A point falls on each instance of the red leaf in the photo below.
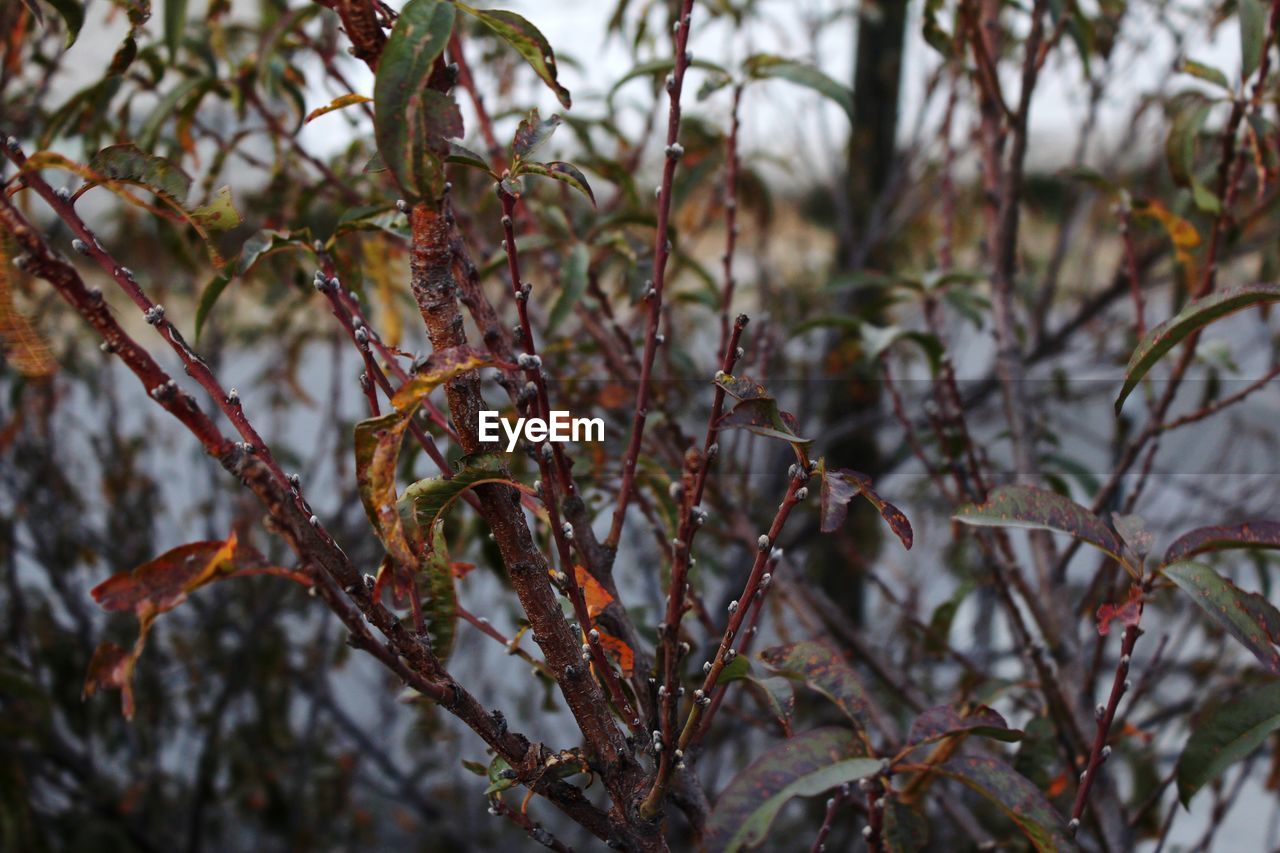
(1128, 613)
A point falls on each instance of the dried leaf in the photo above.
(840, 486)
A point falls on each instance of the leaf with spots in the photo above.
(1014, 794)
(219, 213)
(1226, 734)
(130, 165)
(761, 415)
(565, 173)
(906, 830)
(527, 41)
(840, 486)
(1247, 616)
(532, 134)
(1251, 534)
(412, 122)
(806, 765)
(820, 667)
(1033, 508)
(1194, 316)
(945, 721)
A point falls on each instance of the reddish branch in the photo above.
(661, 251)
(725, 652)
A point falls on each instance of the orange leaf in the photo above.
(620, 652)
(598, 598)
(1128, 613)
(111, 669)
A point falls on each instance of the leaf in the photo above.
(1248, 617)
(1253, 30)
(21, 346)
(1229, 732)
(158, 586)
(1206, 72)
(111, 668)
(656, 67)
(463, 156)
(822, 668)
(806, 765)
(1194, 316)
(412, 121)
(219, 214)
(944, 721)
(532, 134)
(1033, 508)
(72, 14)
(131, 165)
(1184, 131)
(1250, 534)
(175, 21)
(527, 41)
(1128, 613)
(377, 449)
(1134, 533)
(439, 596)
(775, 690)
(573, 283)
(1022, 801)
(427, 500)
(336, 104)
(769, 67)
(840, 486)
(905, 829)
(565, 173)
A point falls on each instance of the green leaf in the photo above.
(573, 283)
(1194, 316)
(1251, 534)
(822, 668)
(1247, 616)
(463, 156)
(219, 214)
(175, 21)
(806, 765)
(906, 830)
(532, 134)
(439, 596)
(1040, 509)
(1206, 72)
(1253, 30)
(527, 41)
(1184, 131)
(840, 486)
(131, 165)
(1014, 794)
(411, 121)
(566, 173)
(427, 500)
(72, 14)
(499, 779)
(775, 690)
(1229, 732)
(768, 67)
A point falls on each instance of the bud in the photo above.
(763, 542)
(80, 246)
(594, 635)
(63, 194)
(233, 397)
(155, 314)
(733, 606)
(802, 493)
(739, 353)
(566, 528)
(402, 205)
